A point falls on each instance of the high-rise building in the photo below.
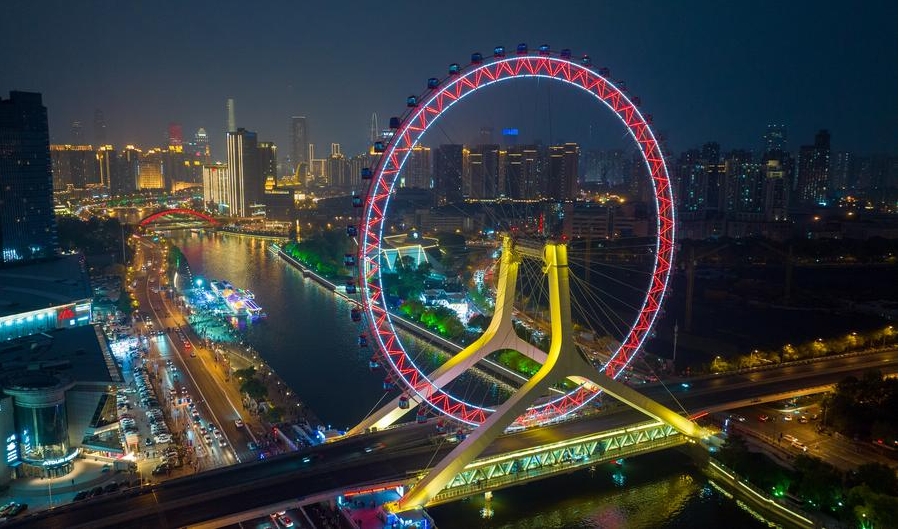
(201, 139)
(417, 170)
(744, 192)
(243, 165)
(299, 143)
(843, 177)
(338, 170)
(520, 172)
(232, 121)
(775, 140)
(562, 172)
(814, 171)
(77, 133)
(74, 165)
(481, 176)
(99, 128)
(219, 189)
(27, 222)
(150, 173)
(268, 160)
(124, 179)
(448, 173)
(176, 136)
(776, 191)
(107, 162)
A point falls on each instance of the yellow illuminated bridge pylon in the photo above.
(561, 361)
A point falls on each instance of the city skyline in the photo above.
(734, 72)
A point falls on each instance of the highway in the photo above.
(217, 400)
(395, 454)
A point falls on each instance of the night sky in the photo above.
(705, 70)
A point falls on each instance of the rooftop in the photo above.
(35, 286)
(75, 353)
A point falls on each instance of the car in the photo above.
(112, 487)
(764, 418)
(163, 438)
(739, 418)
(217, 434)
(19, 507)
(252, 446)
(238, 423)
(203, 430)
(285, 521)
(81, 495)
(374, 448)
(223, 443)
(788, 418)
(207, 439)
(162, 468)
(149, 442)
(803, 419)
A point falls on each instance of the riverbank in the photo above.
(499, 373)
(281, 406)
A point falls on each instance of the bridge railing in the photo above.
(499, 472)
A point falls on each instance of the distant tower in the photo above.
(176, 135)
(299, 142)
(99, 128)
(775, 139)
(373, 135)
(232, 123)
(77, 133)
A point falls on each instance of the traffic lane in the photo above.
(193, 499)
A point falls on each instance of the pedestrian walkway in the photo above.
(42, 493)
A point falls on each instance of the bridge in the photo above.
(401, 455)
(178, 212)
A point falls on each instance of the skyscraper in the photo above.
(299, 143)
(520, 172)
(27, 222)
(814, 171)
(232, 121)
(448, 173)
(77, 133)
(481, 177)
(243, 166)
(176, 136)
(74, 165)
(775, 139)
(561, 181)
(99, 128)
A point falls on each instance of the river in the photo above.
(309, 340)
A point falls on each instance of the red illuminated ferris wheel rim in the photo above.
(427, 110)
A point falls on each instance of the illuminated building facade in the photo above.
(75, 166)
(27, 221)
(149, 172)
(219, 189)
(246, 179)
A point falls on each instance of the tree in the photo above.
(254, 388)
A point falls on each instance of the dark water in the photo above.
(658, 490)
(310, 341)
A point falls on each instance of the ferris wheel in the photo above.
(428, 389)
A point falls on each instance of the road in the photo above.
(395, 453)
(218, 400)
